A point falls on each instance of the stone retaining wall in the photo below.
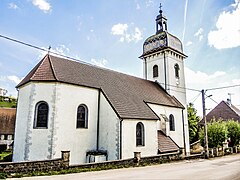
(63, 163)
(30, 166)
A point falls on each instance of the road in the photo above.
(227, 167)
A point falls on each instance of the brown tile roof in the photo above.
(225, 111)
(165, 143)
(127, 94)
(7, 120)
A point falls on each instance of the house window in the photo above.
(140, 134)
(155, 71)
(171, 123)
(176, 67)
(41, 115)
(82, 116)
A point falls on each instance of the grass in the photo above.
(7, 104)
(4, 154)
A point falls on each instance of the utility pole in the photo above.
(205, 126)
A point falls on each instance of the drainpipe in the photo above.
(120, 140)
(98, 117)
(165, 70)
(145, 65)
(184, 140)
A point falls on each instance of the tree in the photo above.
(193, 120)
(233, 132)
(217, 133)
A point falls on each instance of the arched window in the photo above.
(140, 134)
(41, 115)
(176, 67)
(155, 71)
(82, 116)
(171, 123)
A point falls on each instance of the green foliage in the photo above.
(8, 102)
(217, 133)
(6, 156)
(193, 120)
(233, 132)
(3, 175)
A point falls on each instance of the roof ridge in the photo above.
(52, 68)
(102, 68)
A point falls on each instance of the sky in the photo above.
(111, 33)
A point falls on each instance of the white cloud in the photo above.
(60, 49)
(42, 5)
(12, 6)
(199, 34)
(138, 6)
(15, 79)
(126, 34)
(227, 34)
(9, 82)
(200, 80)
(119, 29)
(149, 3)
(99, 62)
(189, 43)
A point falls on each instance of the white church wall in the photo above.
(109, 125)
(21, 123)
(129, 138)
(176, 85)
(35, 142)
(159, 61)
(176, 135)
(61, 134)
(77, 140)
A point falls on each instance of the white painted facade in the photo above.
(61, 134)
(150, 147)
(116, 136)
(176, 135)
(109, 130)
(166, 60)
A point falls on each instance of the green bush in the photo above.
(233, 132)
(217, 133)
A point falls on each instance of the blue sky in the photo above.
(110, 33)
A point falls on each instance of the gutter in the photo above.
(184, 140)
(165, 70)
(120, 140)
(98, 118)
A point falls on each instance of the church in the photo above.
(99, 114)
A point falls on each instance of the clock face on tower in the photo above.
(155, 43)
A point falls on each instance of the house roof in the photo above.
(127, 94)
(225, 111)
(7, 120)
(165, 143)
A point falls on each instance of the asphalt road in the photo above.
(227, 167)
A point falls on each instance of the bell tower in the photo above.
(163, 62)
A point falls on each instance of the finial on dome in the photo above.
(160, 7)
(161, 21)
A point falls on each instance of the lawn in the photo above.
(8, 104)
